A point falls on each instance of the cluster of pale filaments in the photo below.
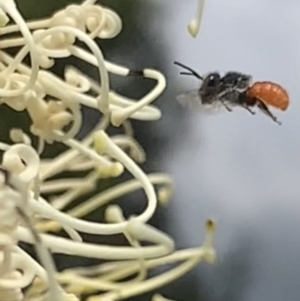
(54, 107)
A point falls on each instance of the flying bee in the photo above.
(215, 90)
(234, 89)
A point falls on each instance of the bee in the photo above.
(234, 89)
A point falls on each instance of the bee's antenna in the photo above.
(192, 72)
(186, 73)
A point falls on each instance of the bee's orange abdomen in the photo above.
(270, 93)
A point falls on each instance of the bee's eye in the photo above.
(213, 80)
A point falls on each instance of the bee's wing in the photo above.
(192, 101)
(189, 99)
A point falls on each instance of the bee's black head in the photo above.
(211, 83)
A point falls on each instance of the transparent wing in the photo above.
(189, 99)
(192, 101)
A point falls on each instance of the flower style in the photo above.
(33, 203)
(194, 25)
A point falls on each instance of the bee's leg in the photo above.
(225, 105)
(262, 106)
(243, 101)
(248, 109)
(223, 97)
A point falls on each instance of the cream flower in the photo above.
(33, 203)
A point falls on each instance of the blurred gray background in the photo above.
(242, 170)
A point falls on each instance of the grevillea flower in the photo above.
(33, 204)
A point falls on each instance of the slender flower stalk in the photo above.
(38, 200)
